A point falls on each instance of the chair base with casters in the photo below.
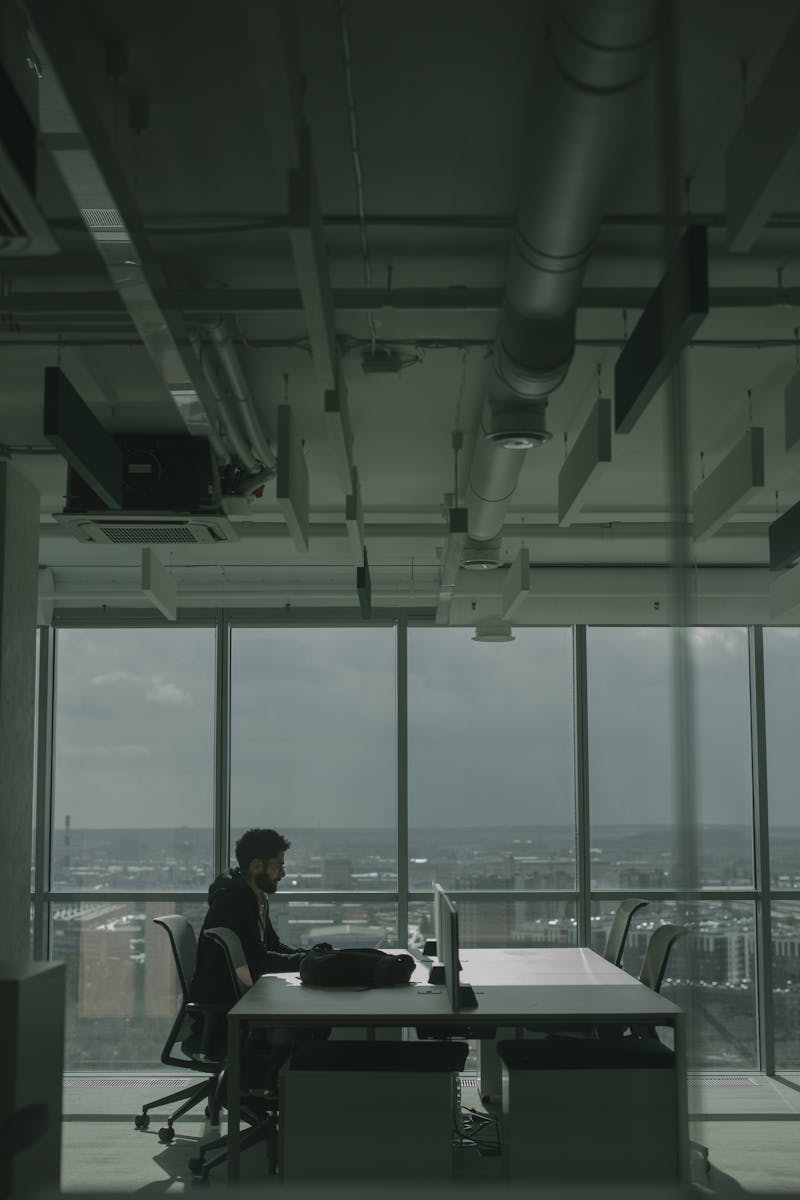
(616, 1100)
(263, 1128)
(368, 1110)
(192, 1096)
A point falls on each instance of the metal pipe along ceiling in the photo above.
(599, 52)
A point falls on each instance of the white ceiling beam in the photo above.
(157, 585)
(516, 589)
(585, 462)
(764, 148)
(291, 485)
(737, 478)
(202, 304)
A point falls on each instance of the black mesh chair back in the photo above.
(657, 954)
(233, 954)
(618, 933)
(184, 948)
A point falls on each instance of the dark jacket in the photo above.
(233, 904)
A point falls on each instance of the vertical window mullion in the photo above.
(583, 878)
(222, 757)
(402, 781)
(42, 880)
(763, 928)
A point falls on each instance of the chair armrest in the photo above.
(213, 1024)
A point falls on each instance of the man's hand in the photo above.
(321, 946)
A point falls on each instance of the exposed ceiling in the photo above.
(441, 99)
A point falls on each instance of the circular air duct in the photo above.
(492, 629)
(481, 556)
(518, 427)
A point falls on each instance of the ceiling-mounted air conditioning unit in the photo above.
(149, 529)
(170, 496)
(23, 229)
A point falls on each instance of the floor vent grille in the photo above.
(162, 1081)
(722, 1081)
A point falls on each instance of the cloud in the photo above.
(166, 693)
(115, 677)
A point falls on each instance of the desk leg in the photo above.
(682, 1115)
(490, 1068)
(234, 1074)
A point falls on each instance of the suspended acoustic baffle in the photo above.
(730, 485)
(157, 585)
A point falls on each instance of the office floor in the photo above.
(751, 1125)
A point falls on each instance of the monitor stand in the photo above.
(466, 996)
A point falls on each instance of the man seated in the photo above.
(238, 900)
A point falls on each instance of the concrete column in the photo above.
(19, 564)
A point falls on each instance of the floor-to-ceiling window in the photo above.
(313, 753)
(782, 705)
(169, 741)
(132, 812)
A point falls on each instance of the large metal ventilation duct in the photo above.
(599, 52)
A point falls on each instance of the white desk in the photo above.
(513, 987)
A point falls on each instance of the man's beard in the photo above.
(266, 884)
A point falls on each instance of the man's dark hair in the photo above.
(259, 843)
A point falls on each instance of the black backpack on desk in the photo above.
(366, 968)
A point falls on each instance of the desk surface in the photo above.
(512, 987)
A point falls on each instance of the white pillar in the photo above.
(19, 555)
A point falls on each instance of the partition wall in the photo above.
(534, 779)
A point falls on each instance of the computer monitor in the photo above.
(461, 994)
(434, 947)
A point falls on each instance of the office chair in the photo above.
(195, 1056)
(614, 949)
(654, 963)
(260, 1105)
(618, 933)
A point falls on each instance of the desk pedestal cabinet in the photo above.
(369, 1111)
(587, 1110)
(32, 1057)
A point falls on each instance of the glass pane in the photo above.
(782, 703)
(493, 924)
(134, 759)
(717, 967)
(632, 782)
(122, 988)
(786, 983)
(341, 922)
(491, 768)
(35, 761)
(313, 751)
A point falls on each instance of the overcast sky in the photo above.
(490, 727)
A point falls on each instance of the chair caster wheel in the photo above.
(166, 1135)
(141, 1121)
